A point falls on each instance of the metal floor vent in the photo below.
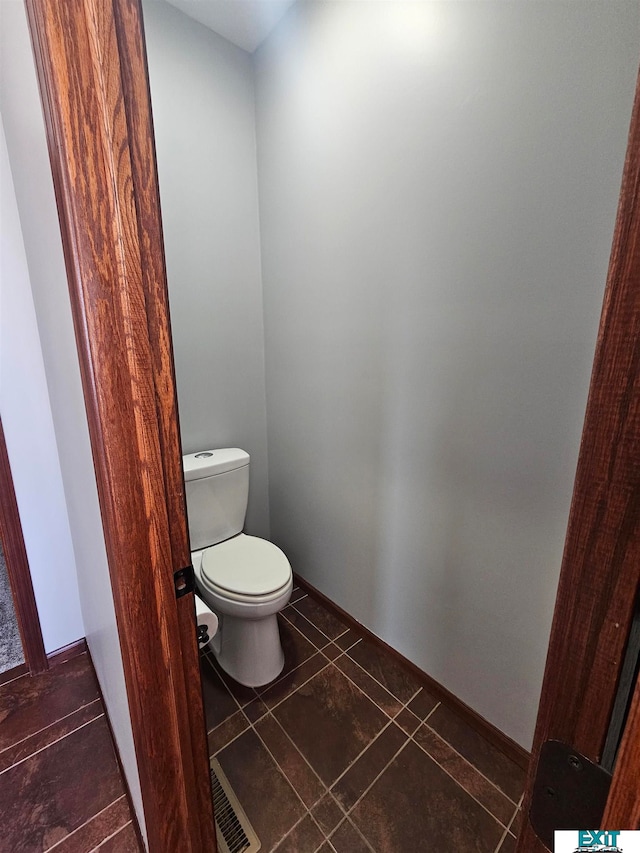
(233, 830)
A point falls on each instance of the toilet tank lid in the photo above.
(206, 463)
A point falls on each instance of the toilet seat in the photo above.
(245, 568)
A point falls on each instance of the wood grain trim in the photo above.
(72, 650)
(144, 172)
(489, 732)
(601, 562)
(623, 804)
(89, 54)
(17, 562)
(137, 107)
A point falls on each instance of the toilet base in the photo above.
(249, 650)
(247, 643)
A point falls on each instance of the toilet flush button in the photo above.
(204, 455)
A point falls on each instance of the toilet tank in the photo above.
(217, 491)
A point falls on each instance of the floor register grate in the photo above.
(234, 832)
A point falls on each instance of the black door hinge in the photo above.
(184, 581)
(569, 792)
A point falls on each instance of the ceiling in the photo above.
(243, 22)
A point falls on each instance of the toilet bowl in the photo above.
(245, 580)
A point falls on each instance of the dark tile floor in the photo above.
(347, 752)
(60, 786)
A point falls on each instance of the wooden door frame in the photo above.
(17, 563)
(92, 74)
(600, 575)
(623, 803)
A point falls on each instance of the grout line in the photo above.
(320, 829)
(326, 789)
(269, 710)
(406, 704)
(297, 824)
(229, 742)
(355, 829)
(223, 676)
(357, 663)
(242, 713)
(368, 788)
(235, 736)
(252, 725)
(78, 828)
(409, 701)
(307, 810)
(502, 838)
(366, 695)
(506, 832)
(420, 719)
(408, 738)
(352, 646)
(344, 652)
(281, 769)
(432, 711)
(471, 764)
(293, 692)
(289, 831)
(513, 817)
(341, 634)
(357, 758)
(310, 623)
(325, 835)
(315, 628)
(49, 725)
(281, 677)
(292, 742)
(113, 834)
(379, 683)
(459, 784)
(331, 660)
(53, 742)
(363, 837)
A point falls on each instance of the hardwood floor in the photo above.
(60, 785)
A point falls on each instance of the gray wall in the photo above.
(203, 108)
(24, 128)
(438, 185)
(30, 436)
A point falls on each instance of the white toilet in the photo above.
(245, 580)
